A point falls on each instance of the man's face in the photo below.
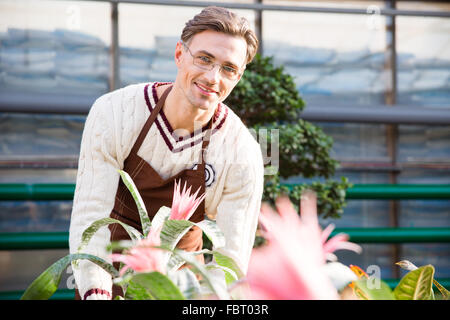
(204, 89)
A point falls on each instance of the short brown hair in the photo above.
(222, 20)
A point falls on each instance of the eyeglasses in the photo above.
(205, 62)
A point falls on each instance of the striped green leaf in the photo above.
(197, 267)
(229, 266)
(155, 285)
(230, 275)
(44, 286)
(160, 217)
(173, 231)
(145, 220)
(364, 291)
(213, 233)
(444, 292)
(416, 285)
(187, 282)
(136, 291)
(175, 262)
(95, 226)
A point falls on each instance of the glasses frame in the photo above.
(213, 65)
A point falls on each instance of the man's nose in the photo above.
(213, 75)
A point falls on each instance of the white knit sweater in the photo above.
(234, 181)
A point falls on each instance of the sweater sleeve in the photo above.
(96, 186)
(239, 207)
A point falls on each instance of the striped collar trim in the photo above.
(179, 143)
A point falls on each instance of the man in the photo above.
(165, 132)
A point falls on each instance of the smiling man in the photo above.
(161, 133)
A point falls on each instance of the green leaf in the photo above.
(44, 286)
(416, 285)
(444, 292)
(219, 291)
(93, 228)
(213, 233)
(408, 265)
(187, 282)
(145, 220)
(157, 285)
(228, 263)
(230, 275)
(173, 231)
(174, 262)
(119, 246)
(365, 291)
(162, 215)
(136, 291)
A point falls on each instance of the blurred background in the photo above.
(375, 76)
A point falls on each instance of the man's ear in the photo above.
(178, 53)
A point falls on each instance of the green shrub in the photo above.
(267, 97)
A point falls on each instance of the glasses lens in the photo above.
(206, 63)
(229, 72)
(203, 62)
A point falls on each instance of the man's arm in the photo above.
(96, 187)
(239, 207)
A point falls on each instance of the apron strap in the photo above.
(205, 144)
(150, 121)
(152, 118)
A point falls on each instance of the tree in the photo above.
(267, 97)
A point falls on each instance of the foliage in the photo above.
(417, 284)
(265, 94)
(175, 283)
(46, 284)
(330, 194)
(266, 97)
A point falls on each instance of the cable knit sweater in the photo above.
(234, 177)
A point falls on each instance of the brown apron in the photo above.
(155, 192)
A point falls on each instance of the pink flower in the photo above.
(184, 204)
(338, 242)
(291, 265)
(143, 257)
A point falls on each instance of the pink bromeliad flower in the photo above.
(184, 204)
(143, 257)
(291, 265)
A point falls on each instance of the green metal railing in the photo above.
(23, 191)
(397, 191)
(60, 240)
(400, 191)
(60, 294)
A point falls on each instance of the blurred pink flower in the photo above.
(184, 204)
(291, 265)
(338, 242)
(143, 257)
